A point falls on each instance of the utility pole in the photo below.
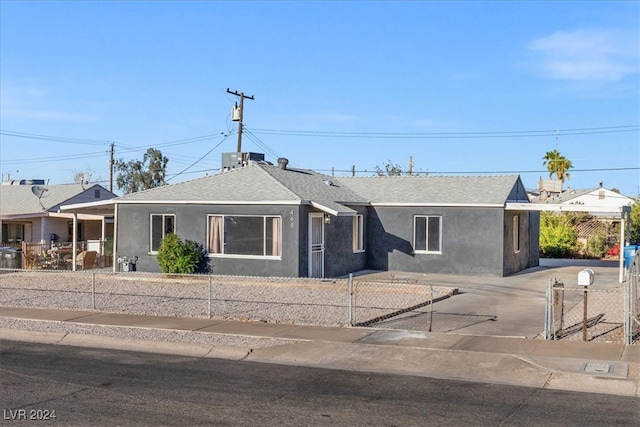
(410, 165)
(242, 96)
(111, 162)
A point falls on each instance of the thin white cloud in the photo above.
(588, 54)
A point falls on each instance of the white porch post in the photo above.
(103, 233)
(74, 241)
(114, 261)
(42, 239)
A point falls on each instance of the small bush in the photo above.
(176, 256)
(558, 238)
(596, 246)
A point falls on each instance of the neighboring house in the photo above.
(29, 212)
(264, 220)
(596, 201)
(593, 197)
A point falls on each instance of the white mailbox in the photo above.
(585, 277)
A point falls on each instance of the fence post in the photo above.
(627, 312)
(210, 280)
(350, 300)
(430, 308)
(584, 315)
(548, 311)
(93, 291)
(630, 297)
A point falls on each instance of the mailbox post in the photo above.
(585, 278)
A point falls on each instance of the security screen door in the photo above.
(316, 245)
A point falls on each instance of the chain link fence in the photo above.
(275, 300)
(632, 302)
(394, 303)
(592, 313)
(391, 303)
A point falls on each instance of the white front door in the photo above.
(316, 245)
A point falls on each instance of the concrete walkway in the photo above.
(578, 366)
(510, 306)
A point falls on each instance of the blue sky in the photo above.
(469, 87)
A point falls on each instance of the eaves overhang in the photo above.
(551, 207)
(437, 205)
(107, 207)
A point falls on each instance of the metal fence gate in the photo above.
(392, 303)
(589, 313)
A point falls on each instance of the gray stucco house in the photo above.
(266, 220)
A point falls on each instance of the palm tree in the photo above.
(557, 164)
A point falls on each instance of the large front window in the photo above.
(427, 234)
(161, 225)
(245, 235)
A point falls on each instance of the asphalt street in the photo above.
(95, 387)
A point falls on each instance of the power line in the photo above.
(53, 158)
(53, 138)
(451, 135)
(260, 143)
(197, 161)
(123, 148)
(502, 172)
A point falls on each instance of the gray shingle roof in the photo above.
(436, 190)
(271, 184)
(255, 183)
(20, 199)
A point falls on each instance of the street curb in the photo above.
(457, 365)
(112, 343)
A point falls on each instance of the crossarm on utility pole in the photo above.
(242, 96)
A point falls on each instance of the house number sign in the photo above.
(291, 219)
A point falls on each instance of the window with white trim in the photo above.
(244, 235)
(516, 233)
(427, 234)
(161, 225)
(358, 233)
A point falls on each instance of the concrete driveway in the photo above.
(498, 306)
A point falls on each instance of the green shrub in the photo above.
(558, 238)
(634, 223)
(597, 246)
(176, 256)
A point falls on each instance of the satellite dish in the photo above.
(38, 190)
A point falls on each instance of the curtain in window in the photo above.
(215, 234)
(275, 245)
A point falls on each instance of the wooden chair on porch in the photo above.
(86, 259)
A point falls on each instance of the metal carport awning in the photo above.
(622, 213)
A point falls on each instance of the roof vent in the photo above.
(282, 162)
